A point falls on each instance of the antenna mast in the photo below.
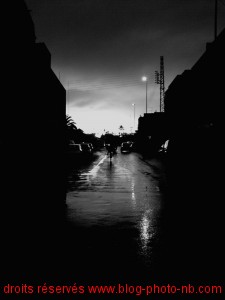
(162, 85)
(159, 79)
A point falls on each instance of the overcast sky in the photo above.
(102, 48)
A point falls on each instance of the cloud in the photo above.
(103, 98)
(121, 37)
(102, 48)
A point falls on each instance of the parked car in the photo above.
(86, 148)
(74, 149)
(126, 147)
(91, 146)
(163, 148)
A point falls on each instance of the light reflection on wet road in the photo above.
(117, 208)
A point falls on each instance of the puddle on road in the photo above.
(109, 197)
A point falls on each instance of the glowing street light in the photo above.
(144, 78)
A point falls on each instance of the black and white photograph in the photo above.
(111, 141)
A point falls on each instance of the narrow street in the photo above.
(115, 210)
(119, 226)
(123, 225)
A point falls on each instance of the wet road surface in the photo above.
(127, 226)
(121, 225)
(115, 209)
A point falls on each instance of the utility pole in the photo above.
(144, 78)
(68, 96)
(159, 79)
(215, 19)
(134, 115)
(146, 102)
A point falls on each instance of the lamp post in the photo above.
(133, 104)
(144, 78)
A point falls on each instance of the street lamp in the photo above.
(133, 104)
(144, 78)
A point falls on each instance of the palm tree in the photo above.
(121, 129)
(70, 123)
(71, 128)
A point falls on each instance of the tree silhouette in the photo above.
(70, 123)
(121, 129)
(71, 128)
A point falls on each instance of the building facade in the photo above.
(193, 104)
(32, 117)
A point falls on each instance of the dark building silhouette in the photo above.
(193, 104)
(152, 132)
(32, 119)
(194, 208)
(194, 97)
(32, 142)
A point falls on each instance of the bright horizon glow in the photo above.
(101, 110)
(98, 73)
(102, 121)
